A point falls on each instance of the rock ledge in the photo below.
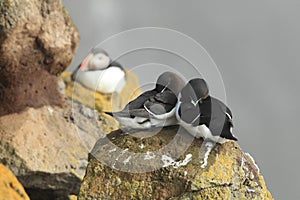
(230, 173)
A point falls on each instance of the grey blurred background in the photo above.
(255, 45)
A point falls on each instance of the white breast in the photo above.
(201, 131)
(163, 122)
(198, 131)
(109, 80)
(133, 123)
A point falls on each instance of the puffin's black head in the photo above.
(116, 64)
(96, 60)
(98, 50)
(195, 90)
(170, 81)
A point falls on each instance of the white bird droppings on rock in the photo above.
(209, 146)
(149, 155)
(250, 190)
(253, 161)
(168, 161)
(112, 150)
(50, 110)
(141, 146)
(126, 160)
(121, 154)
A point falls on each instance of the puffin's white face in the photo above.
(95, 62)
(99, 61)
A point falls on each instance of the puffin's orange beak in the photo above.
(85, 62)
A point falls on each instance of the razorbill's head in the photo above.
(191, 96)
(169, 81)
(195, 91)
(189, 112)
(98, 59)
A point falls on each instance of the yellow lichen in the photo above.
(10, 188)
(102, 102)
(230, 174)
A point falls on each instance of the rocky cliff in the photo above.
(45, 138)
(167, 165)
(46, 148)
(37, 42)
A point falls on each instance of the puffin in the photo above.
(153, 108)
(203, 115)
(98, 72)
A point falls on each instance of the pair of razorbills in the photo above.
(171, 102)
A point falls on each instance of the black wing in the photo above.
(221, 120)
(135, 108)
(161, 103)
(140, 100)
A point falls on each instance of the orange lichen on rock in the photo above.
(10, 187)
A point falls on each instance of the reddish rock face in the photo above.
(37, 42)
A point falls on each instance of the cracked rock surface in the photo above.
(167, 165)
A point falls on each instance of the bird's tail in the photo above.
(109, 113)
(231, 136)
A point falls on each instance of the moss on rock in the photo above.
(230, 173)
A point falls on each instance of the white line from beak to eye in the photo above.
(228, 115)
(195, 102)
(195, 119)
(165, 88)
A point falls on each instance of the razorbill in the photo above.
(153, 108)
(98, 72)
(202, 115)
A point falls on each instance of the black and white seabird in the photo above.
(202, 115)
(153, 108)
(98, 72)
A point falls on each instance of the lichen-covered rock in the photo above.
(37, 42)
(167, 165)
(102, 102)
(47, 148)
(10, 187)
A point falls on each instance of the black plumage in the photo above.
(153, 108)
(197, 108)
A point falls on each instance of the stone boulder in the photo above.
(37, 42)
(168, 164)
(47, 148)
(10, 187)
